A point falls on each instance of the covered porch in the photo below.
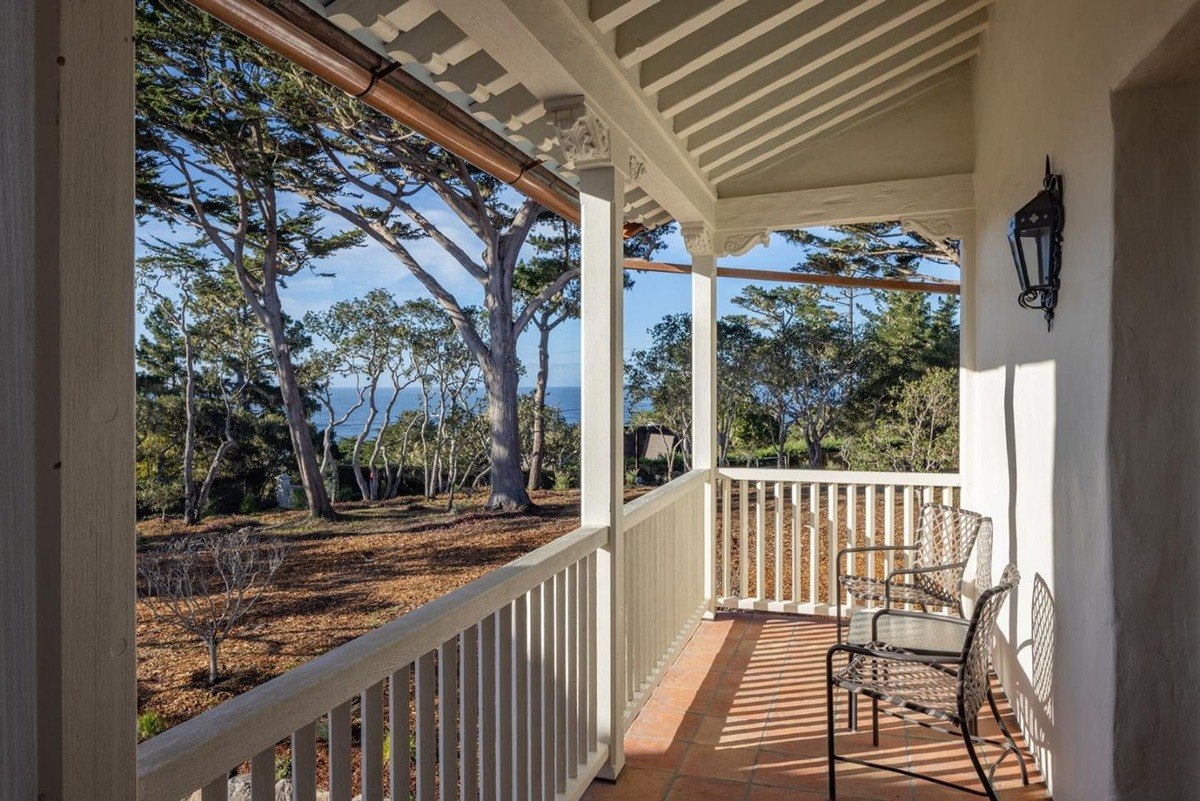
(741, 715)
(670, 647)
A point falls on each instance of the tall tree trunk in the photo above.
(191, 510)
(271, 316)
(538, 446)
(508, 485)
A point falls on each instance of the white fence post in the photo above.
(589, 145)
(699, 240)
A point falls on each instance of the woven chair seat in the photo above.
(914, 685)
(866, 589)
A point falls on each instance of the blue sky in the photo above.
(653, 296)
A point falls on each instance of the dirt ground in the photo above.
(339, 580)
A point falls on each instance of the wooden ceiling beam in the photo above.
(788, 277)
(818, 73)
(717, 38)
(784, 111)
(720, 169)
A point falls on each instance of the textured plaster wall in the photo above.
(1155, 430)
(1040, 400)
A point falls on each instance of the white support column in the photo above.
(588, 145)
(967, 364)
(699, 240)
(67, 652)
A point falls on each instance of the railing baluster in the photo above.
(831, 545)
(400, 735)
(726, 514)
(339, 752)
(447, 698)
(889, 525)
(760, 539)
(870, 512)
(581, 635)
(572, 686)
(520, 697)
(487, 707)
(851, 526)
(948, 496)
(468, 713)
(590, 660)
(304, 762)
(262, 775)
(426, 729)
(560, 682)
(814, 533)
(504, 703)
(778, 541)
(536, 690)
(216, 790)
(549, 646)
(371, 710)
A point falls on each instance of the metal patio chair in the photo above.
(944, 539)
(949, 689)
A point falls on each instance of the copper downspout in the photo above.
(302, 36)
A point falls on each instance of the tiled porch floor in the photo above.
(740, 716)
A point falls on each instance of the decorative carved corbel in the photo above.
(941, 232)
(735, 244)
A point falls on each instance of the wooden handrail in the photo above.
(638, 510)
(842, 477)
(189, 755)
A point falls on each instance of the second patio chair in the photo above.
(939, 555)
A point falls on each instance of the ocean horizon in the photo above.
(566, 398)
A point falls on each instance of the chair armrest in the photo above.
(869, 548)
(914, 571)
(883, 652)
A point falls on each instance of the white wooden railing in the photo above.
(778, 531)
(664, 581)
(491, 692)
(495, 684)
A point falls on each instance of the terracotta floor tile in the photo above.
(647, 752)
(634, 784)
(719, 761)
(740, 716)
(690, 788)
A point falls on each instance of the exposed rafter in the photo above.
(745, 135)
(728, 70)
(849, 53)
(717, 38)
(788, 138)
(665, 23)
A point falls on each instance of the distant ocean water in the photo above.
(565, 398)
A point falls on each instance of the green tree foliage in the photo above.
(918, 431)
(807, 363)
(213, 156)
(210, 429)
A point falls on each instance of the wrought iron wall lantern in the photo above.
(1035, 231)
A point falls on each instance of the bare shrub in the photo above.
(207, 584)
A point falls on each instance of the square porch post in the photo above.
(698, 238)
(588, 145)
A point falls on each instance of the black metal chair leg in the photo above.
(1008, 737)
(829, 727)
(983, 776)
(851, 711)
(875, 721)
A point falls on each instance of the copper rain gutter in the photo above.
(302, 36)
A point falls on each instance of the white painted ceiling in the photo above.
(742, 88)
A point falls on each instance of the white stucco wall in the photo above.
(1041, 400)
